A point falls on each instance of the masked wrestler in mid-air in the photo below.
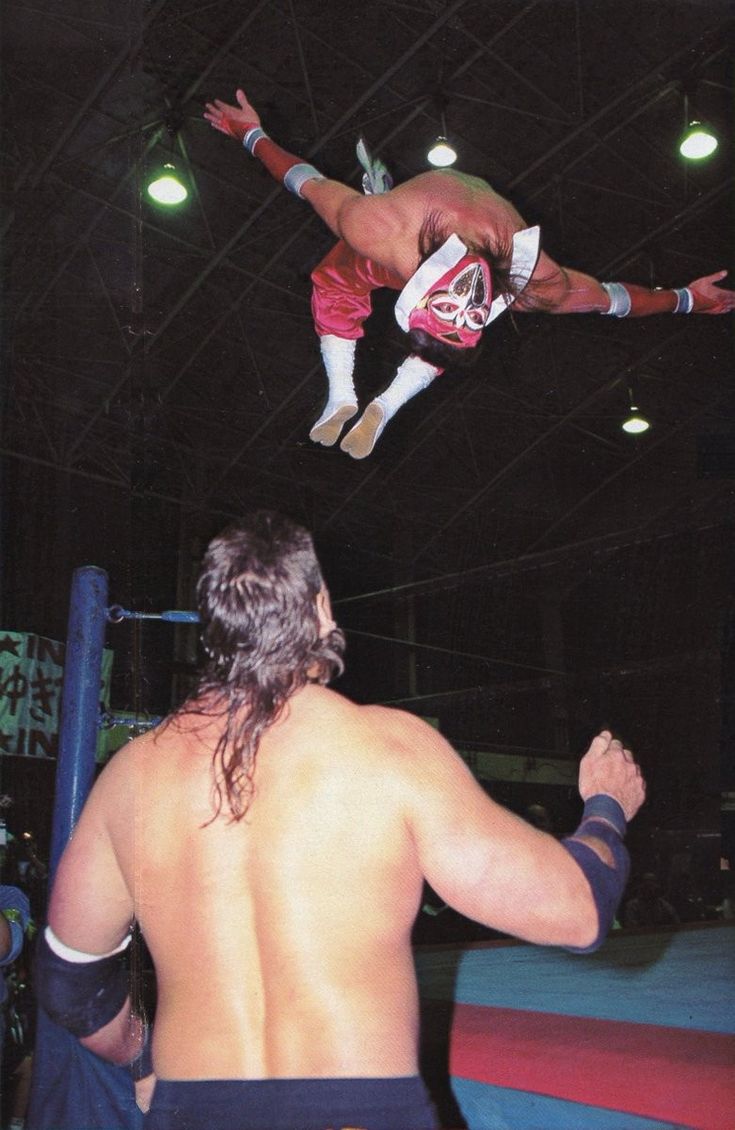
(458, 253)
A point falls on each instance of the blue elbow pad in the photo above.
(81, 996)
(604, 819)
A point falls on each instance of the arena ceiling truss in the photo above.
(173, 357)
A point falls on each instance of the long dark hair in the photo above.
(257, 595)
(432, 235)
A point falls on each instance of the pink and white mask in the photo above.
(455, 310)
(450, 295)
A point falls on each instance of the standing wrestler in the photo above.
(458, 253)
(271, 839)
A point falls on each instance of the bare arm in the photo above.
(563, 290)
(91, 907)
(494, 867)
(367, 224)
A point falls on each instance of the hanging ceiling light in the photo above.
(166, 187)
(441, 154)
(697, 142)
(635, 423)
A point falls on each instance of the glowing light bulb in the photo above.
(698, 142)
(635, 423)
(441, 154)
(167, 189)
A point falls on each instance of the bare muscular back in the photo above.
(386, 227)
(281, 943)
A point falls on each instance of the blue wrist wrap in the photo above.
(252, 137)
(684, 300)
(620, 301)
(298, 175)
(81, 997)
(604, 819)
(604, 807)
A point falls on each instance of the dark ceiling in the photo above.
(165, 364)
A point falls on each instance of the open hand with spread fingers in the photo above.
(709, 298)
(232, 120)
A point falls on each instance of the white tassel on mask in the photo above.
(376, 179)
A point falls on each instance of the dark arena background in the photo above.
(508, 563)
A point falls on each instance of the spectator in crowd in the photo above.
(15, 916)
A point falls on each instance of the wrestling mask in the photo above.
(450, 295)
(455, 310)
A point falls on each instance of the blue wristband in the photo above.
(620, 301)
(684, 300)
(604, 819)
(299, 175)
(605, 807)
(252, 137)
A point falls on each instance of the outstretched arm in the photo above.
(233, 121)
(363, 222)
(562, 290)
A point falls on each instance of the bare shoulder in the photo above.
(373, 226)
(383, 726)
(429, 781)
(465, 204)
(414, 748)
(117, 787)
(454, 189)
(401, 725)
(122, 763)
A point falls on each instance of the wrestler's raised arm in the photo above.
(562, 290)
(492, 866)
(233, 121)
(367, 224)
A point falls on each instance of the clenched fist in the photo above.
(609, 768)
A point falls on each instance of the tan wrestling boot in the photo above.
(329, 425)
(361, 439)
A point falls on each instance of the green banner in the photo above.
(31, 674)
